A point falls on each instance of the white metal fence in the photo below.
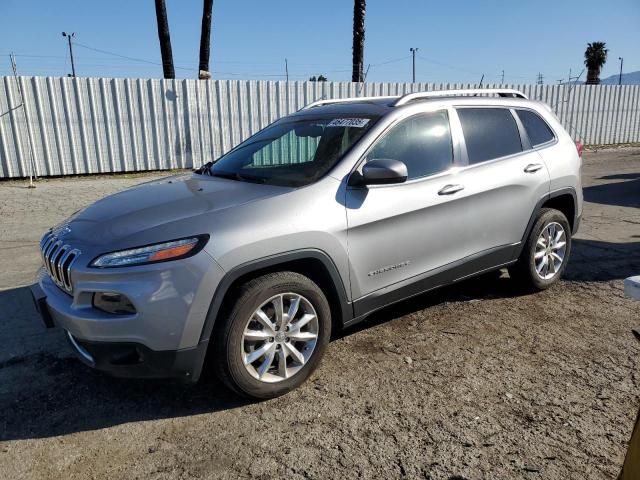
(88, 125)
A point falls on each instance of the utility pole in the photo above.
(286, 69)
(413, 52)
(32, 163)
(540, 77)
(620, 76)
(69, 37)
(502, 80)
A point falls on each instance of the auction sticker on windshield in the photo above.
(349, 122)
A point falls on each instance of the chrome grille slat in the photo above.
(50, 255)
(56, 261)
(66, 266)
(57, 258)
(44, 245)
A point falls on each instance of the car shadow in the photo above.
(600, 261)
(45, 391)
(625, 193)
(591, 261)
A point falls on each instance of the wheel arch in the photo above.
(313, 263)
(564, 200)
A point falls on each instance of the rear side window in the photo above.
(422, 142)
(536, 128)
(489, 133)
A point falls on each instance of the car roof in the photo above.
(382, 105)
(377, 107)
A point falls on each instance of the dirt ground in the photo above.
(470, 382)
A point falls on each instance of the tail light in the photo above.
(579, 147)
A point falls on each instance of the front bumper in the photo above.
(132, 360)
(162, 339)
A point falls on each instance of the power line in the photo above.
(133, 59)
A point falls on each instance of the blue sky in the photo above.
(457, 40)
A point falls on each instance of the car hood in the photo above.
(171, 201)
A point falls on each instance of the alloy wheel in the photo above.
(550, 250)
(280, 337)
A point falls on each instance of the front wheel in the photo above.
(274, 336)
(546, 252)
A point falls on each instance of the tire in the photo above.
(244, 334)
(526, 269)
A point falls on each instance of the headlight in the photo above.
(159, 252)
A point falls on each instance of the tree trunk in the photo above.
(205, 40)
(593, 76)
(359, 7)
(165, 40)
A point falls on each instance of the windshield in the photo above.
(291, 152)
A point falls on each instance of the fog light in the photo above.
(111, 302)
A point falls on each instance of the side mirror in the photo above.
(383, 171)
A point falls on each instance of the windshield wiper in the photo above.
(238, 176)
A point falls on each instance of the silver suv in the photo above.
(250, 262)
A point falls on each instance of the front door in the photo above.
(398, 232)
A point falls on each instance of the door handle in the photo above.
(532, 168)
(450, 189)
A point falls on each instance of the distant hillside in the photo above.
(631, 78)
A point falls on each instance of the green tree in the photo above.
(359, 8)
(319, 78)
(595, 56)
(165, 39)
(205, 40)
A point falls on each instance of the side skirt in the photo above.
(445, 275)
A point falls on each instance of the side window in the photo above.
(489, 133)
(537, 129)
(422, 142)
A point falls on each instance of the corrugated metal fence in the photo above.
(86, 125)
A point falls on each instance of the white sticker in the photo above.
(349, 122)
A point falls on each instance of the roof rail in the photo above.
(501, 92)
(318, 103)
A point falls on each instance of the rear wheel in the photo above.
(274, 336)
(546, 252)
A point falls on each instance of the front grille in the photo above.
(57, 258)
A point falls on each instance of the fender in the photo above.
(556, 193)
(266, 262)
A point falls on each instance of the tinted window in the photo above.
(489, 133)
(537, 129)
(423, 143)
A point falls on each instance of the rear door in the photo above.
(503, 180)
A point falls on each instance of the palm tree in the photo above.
(205, 40)
(165, 40)
(594, 58)
(359, 7)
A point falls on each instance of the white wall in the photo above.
(90, 125)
